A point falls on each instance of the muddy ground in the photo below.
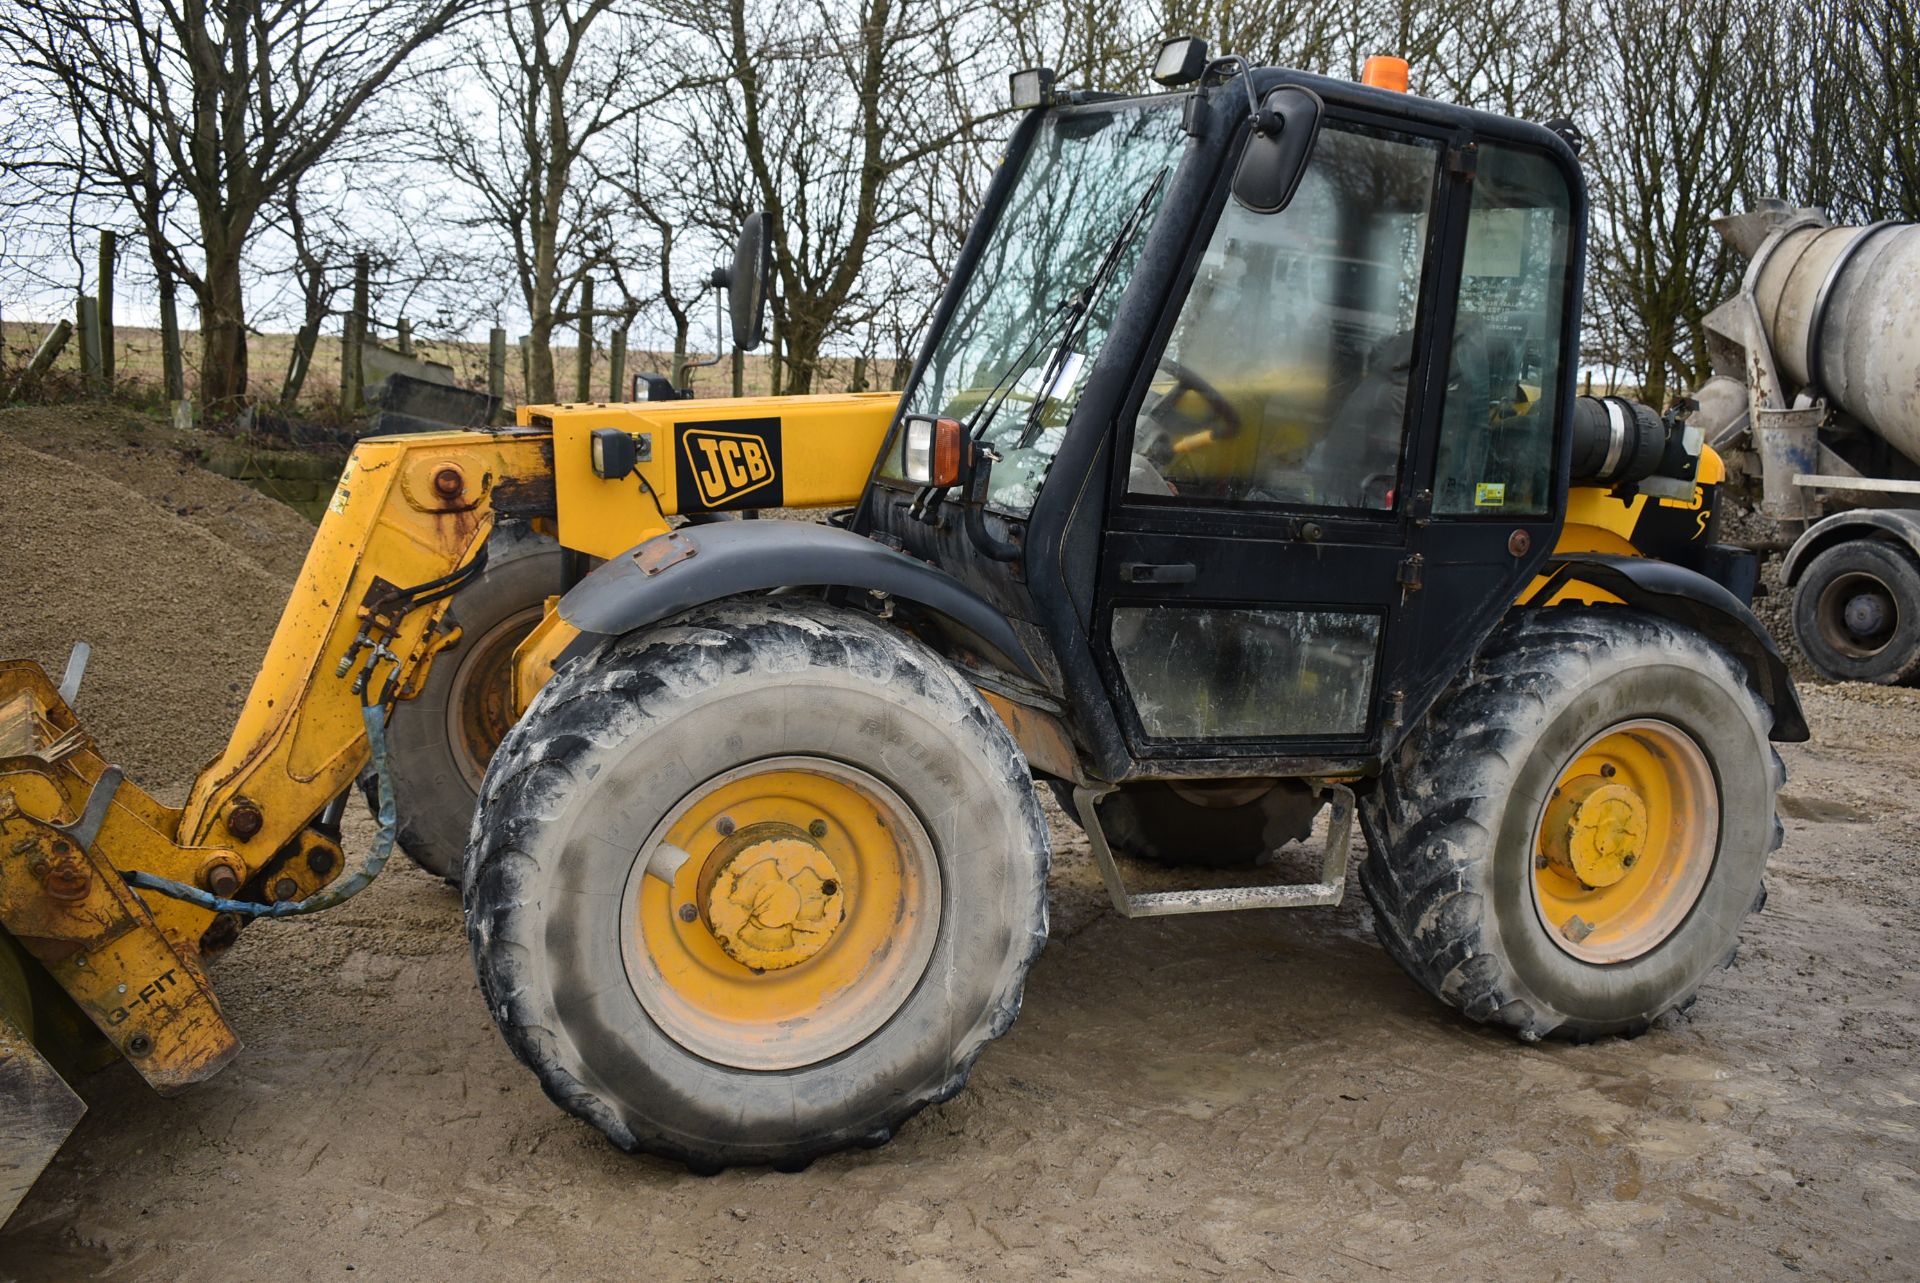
(1251, 1096)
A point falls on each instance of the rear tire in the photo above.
(1462, 894)
(583, 930)
(1856, 613)
(441, 740)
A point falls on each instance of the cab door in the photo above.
(1324, 486)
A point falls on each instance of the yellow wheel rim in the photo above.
(781, 913)
(480, 708)
(1625, 841)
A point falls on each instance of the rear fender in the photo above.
(1690, 598)
(1894, 525)
(694, 565)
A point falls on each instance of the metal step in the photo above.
(1328, 890)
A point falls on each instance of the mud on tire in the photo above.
(1451, 825)
(615, 743)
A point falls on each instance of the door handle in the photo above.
(1143, 572)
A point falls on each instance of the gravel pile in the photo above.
(178, 618)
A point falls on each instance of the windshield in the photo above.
(1092, 176)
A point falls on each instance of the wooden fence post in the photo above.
(406, 337)
(583, 364)
(859, 383)
(173, 364)
(617, 358)
(299, 363)
(739, 372)
(87, 321)
(105, 295)
(497, 369)
(50, 349)
(353, 337)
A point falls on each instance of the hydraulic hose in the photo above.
(375, 716)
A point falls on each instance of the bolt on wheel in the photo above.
(781, 913)
(1625, 841)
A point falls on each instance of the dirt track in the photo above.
(1240, 1097)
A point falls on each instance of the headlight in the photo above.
(931, 450)
(614, 453)
(916, 459)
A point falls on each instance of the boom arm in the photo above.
(408, 511)
(409, 516)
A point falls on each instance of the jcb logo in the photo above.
(729, 464)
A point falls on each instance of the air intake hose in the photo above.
(1621, 442)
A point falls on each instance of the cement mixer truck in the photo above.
(1815, 403)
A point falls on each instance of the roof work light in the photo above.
(1181, 61)
(1032, 87)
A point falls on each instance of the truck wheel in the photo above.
(441, 740)
(1856, 613)
(1570, 842)
(1206, 824)
(755, 885)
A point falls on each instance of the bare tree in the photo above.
(1849, 140)
(1676, 139)
(557, 78)
(829, 107)
(219, 104)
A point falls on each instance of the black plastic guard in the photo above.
(695, 565)
(1689, 597)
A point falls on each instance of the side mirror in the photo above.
(1284, 128)
(746, 281)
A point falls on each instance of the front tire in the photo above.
(1569, 843)
(755, 885)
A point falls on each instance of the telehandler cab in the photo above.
(1240, 489)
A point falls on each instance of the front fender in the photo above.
(695, 565)
(1689, 597)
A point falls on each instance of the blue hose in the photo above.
(375, 716)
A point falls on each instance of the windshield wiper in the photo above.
(1079, 306)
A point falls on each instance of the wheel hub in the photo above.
(1599, 832)
(1625, 841)
(1866, 615)
(781, 913)
(775, 899)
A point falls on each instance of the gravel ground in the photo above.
(1243, 1096)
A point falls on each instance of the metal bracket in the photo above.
(76, 669)
(1159, 904)
(83, 831)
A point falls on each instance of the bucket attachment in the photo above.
(37, 1113)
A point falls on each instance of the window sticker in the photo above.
(1490, 494)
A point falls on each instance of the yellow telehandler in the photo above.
(1240, 491)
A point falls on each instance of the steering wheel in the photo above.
(1185, 380)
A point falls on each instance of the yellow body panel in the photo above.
(1597, 521)
(709, 456)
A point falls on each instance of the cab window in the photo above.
(1503, 376)
(1287, 375)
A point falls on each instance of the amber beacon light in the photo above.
(1384, 71)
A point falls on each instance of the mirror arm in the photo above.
(976, 505)
(719, 327)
